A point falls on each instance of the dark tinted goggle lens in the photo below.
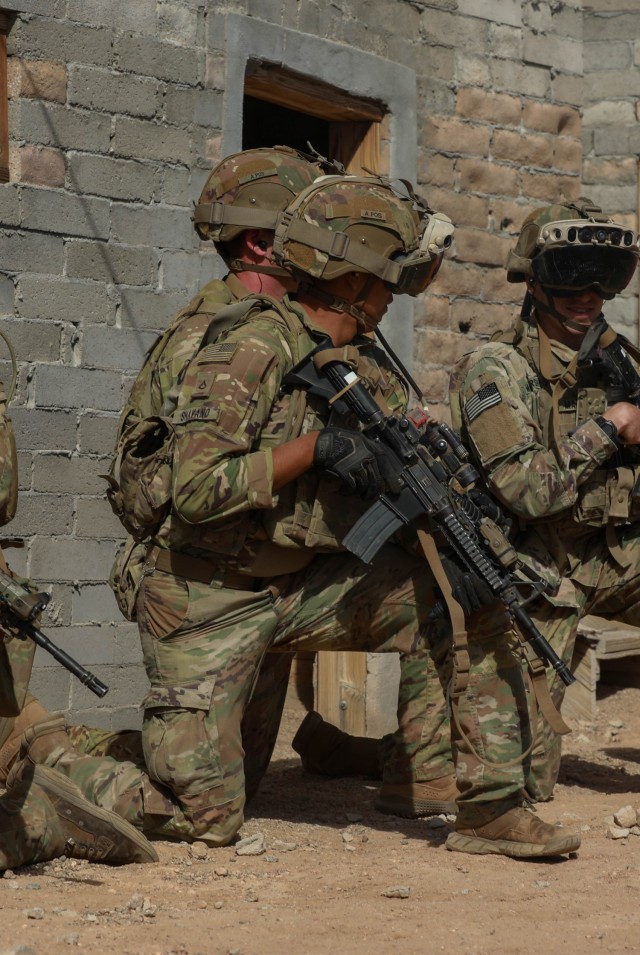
(415, 278)
(573, 269)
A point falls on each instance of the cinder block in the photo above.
(68, 559)
(612, 141)
(61, 300)
(513, 76)
(51, 683)
(497, 11)
(119, 14)
(58, 386)
(43, 514)
(128, 648)
(159, 226)
(9, 205)
(143, 139)
(59, 39)
(178, 23)
(115, 178)
(58, 612)
(166, 61)
(31, 252)
(34, 341)
(68, 214)
(146, 309)
(49, 124)
(69, 474)
(614, 198)
(113, 92)
(122, 718)
(38, 430)
(443, 27)
(94, 517)
(128, 686)
(95, 603)
(90, 645)
(36, 79)
(97, 433)
(202, 107)
(108, 262)
(40, 165)
(622, 26)
(121, 349)
(609, 113)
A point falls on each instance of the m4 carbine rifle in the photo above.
(20, 607)
(424, 491)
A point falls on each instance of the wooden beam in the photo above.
(307, 95)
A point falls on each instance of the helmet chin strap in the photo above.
(238, 265)
(550, 309)
(337, 304)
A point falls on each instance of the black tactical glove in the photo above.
(364, 467)
(469, 590)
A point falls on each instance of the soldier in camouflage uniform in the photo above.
(547, 409)
(250, 560)
(42, 814)
(264, 180)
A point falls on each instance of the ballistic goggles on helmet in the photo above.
(416, 270)
(576, 254)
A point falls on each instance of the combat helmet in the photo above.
(249, 190)
(343, 224)
(573, 246)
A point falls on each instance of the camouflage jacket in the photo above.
(232, 412)
(557, 491)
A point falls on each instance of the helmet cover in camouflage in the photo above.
(573, 246)
(346, 224)
(249, 189)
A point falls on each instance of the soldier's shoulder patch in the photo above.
(219, 352)
(486, 397)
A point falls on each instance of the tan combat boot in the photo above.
(415, 799)
(44, 816)
(33, 713)
(517, 833)
(328, 751)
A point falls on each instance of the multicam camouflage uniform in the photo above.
(16, 654)
(579, 523)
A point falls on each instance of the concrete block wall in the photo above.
(611, 134)
(117, 110)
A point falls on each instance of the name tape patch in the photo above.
(486, 398)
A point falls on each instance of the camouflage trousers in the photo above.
(615, 594)
(16, 661)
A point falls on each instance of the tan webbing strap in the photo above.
(540, 688)
(461, 662)
(3, 562)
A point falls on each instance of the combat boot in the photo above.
(517, 833)
(44, 816)
(415, 799)
(32, 713)
(328, 751)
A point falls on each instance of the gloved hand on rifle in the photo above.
(363, 465)
(469, 590)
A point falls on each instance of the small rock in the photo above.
(435, 822)
(349, 848)
(397, 892)
(625, 817)
(271, 858)
(36, 913)
(281, 846)
(13, 884)
(73, 939)
(18, 950)
(251, 845)
(347, 837)
(634, 831)
(541, 884)
(615, 832)
(8, 874)
(221, 871)
(135, 902)
(218, 905)
(199, 850)
(251, 895)
(148, 908)
(616, 723)
(90, 917)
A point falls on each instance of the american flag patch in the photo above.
(487, 397)
(222, 352)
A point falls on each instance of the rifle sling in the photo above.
(460, 677)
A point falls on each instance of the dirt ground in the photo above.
(337, 876)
